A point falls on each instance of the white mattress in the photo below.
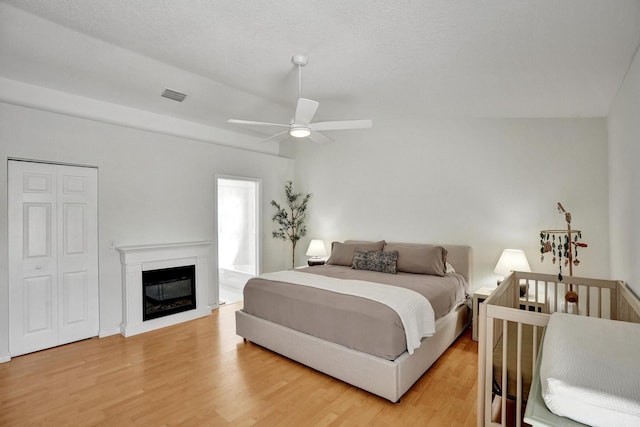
(590, 370)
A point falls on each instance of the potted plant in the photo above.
(290, 219)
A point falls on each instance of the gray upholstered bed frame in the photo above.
(388, 379)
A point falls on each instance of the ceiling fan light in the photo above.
(300, 132)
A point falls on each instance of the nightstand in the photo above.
(479, 296)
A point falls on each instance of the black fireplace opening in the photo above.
(168, 291)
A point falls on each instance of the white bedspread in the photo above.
(415, 310)
(589, 370)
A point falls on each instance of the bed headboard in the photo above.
(460, 257)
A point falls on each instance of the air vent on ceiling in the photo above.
(172, 94)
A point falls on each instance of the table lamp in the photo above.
(316, 251)
(511, 260)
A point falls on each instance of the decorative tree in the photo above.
(290, 220)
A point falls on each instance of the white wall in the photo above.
(153, 188)
(492, 184)
(624, 179)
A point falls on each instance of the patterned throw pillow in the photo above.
(384, 262)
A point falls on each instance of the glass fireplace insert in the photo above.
(168, 291)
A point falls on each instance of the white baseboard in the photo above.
(5, 358)
(108, 332)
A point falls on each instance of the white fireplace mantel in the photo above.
(136, 259)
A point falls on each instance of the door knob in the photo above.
(38, 267)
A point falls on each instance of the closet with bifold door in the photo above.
(53, 255)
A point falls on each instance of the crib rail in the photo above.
(628, 305)
(511, 322)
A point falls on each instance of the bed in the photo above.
(355, 339)
(511, 325)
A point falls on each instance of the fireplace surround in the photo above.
(150, 261)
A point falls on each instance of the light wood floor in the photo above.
(200, 373)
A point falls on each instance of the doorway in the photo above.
(238, 219)
(53, 255)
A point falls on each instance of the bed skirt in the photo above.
(385, 378)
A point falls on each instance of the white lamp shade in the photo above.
(511, 260)
(316, 249)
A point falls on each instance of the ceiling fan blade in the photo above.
(319, 138)
(342, 125)
(277, 137)
(249, 122)
(305, 110)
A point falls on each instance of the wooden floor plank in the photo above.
(200, 373)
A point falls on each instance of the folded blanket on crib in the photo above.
(590, 371)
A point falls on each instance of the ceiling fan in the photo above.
(301, 125)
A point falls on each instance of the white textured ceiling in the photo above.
(367, 59)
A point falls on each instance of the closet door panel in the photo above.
(38, 307)
(78, 253)
(33, 287)
(75, 289)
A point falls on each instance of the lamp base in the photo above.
(316, 261)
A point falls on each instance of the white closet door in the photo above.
(33, 269)
(53, 282)
(77, 253)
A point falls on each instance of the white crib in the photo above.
(511, 322)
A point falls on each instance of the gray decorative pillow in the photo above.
(384, 262)
(419, 258)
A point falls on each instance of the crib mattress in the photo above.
(589, 370)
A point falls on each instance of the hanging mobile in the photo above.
(566, 238)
